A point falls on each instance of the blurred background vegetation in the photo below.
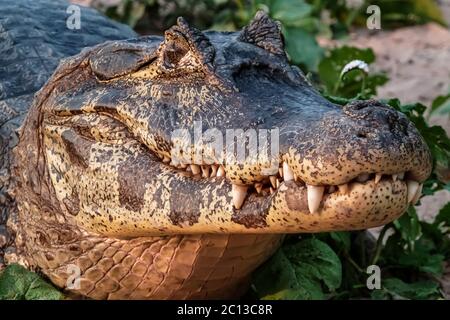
(303, 20)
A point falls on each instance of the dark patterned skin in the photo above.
(96, 184)
(33, 39)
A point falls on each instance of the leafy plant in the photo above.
(441, 105)
(128, 11)
(17, 283)
(301, 270)
(356, 83)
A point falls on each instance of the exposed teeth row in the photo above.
(315, 193)
(206, 171)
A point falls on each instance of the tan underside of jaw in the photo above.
(315, 194)
(363, 206)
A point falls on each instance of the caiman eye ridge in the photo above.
(269, 184)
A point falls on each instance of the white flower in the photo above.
(355, 64)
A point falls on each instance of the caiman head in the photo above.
(123, 141)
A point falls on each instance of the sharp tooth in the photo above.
(417, 195)
(401, 175)
(378, 177)
(280, 172)
(363, 177)
(272, 190)
(166, 159)
(183, 166)
(205, 171)
(343, 188)
(273, 181)
(394, 177)
(258, 187)
(288, 174)
(315, 194)
(195, 169)
(221, 172)
(413, 187)
(239, 193)
(278, 183)
(214, 168)
(185, 173)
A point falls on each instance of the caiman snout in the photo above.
(367, 137)
(362, 164)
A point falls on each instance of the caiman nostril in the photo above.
(362, 135)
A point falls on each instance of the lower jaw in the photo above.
(364, 206)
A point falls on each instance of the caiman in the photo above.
(93, 183)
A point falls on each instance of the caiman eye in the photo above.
(100, 128)
(119, 59)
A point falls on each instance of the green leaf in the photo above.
(415, 248)
(428, 10)
(417, 290)
(290, 12)
(135, 13)
(379, 295)
(409, 227)
(421, 259)
(443, 217)
(441, 105)
(338, 100)
(435, 136)
(342, 240)
(17, 283)
(303, 48)
(299, 271)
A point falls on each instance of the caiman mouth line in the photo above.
(270, 184)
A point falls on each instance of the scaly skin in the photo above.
(98, 185)
(34, 38)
